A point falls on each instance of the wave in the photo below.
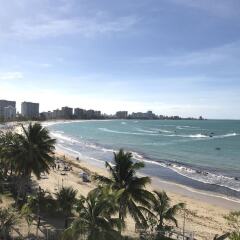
(127, 133)
(61, 136)
(146, 131)
(187, 171)
(187, 128)
(199, 175)
(200, 135)
(155, 133)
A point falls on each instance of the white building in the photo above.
(30, 110)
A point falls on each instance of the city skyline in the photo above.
(177, 57)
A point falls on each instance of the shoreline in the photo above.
(168, 186)
(187, 184)
(199, 190)
(204, 213)
(202, 178)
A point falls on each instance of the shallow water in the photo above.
(201, 154)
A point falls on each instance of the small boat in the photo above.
(218, 148)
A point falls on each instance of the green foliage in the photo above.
(27, 213)
(234, 222)
(235, 236)
(66, 198)
(95, 219)
(164, 211)
(26, 153)
(34, 152)
(135, 199)
(8, 220)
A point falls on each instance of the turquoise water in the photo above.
(204, 151)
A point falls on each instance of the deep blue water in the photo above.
(202, 154)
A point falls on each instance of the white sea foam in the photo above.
(191, 173)
(204, 177)
(61, 136)
(187, 127)
(127, 133)
(146, 131)
(200, 135)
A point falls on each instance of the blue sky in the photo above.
(171, 56)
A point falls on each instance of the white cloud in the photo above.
(54, 27)
(11, 75)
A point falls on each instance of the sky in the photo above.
(174, 57)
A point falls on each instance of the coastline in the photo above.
(204, 214)
(205, 210)
(168, 186)
(162, 175)
(172, 166)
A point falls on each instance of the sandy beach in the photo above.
(204, 214)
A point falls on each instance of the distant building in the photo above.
(150, 115)
(47, 115)
(79, 113)
(9, 113)
(30, 110)
(67, 112)
(141, 115)
(4, 104)
(90, 114)
(97, 114)
(57, 114)
(122, 114)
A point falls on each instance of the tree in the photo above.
(95, 219)
(8, 221)
(27, 213)
(164, 212)
(66, 198)
(8, 145)
(32, 153)
(135, 199)
(36, 150)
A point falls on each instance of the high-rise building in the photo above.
(67, 112)
(9, 113)
(30, 110)
(79, 113)
(46, 115)
(4, 104)
(90, 114)
(122, 114)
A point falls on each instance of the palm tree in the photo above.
(8, 143)
(95, 219)
(36, 150)
(8, 221)
(161, 206)
(135, 199)
(33, 153)
(66, 198)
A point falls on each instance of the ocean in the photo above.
(204, 155)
